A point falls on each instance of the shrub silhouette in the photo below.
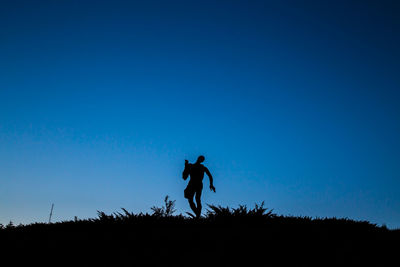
(166, 211)
(231, 236)
(259, 212)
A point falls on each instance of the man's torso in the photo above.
(196, 174)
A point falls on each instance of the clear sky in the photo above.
(295, 103)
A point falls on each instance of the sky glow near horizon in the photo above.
(295, 104)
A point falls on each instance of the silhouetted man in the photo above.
(195, 186)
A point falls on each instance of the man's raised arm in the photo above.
(186, 171)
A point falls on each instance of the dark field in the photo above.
(223, 237)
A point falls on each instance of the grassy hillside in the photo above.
(223, 237)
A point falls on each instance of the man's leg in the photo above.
(192, 205)
(189, 194)
(198, 202)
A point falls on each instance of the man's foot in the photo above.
(198, 214)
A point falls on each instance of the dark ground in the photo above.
(222, 238)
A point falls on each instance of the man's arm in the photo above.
(212, 188)
(186, 171)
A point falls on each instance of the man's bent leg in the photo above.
(198, 202)
(192, 205)
(189, 194)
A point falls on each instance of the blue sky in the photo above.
(292, 103)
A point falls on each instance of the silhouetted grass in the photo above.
(223, 236)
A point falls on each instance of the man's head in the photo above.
(200, 159)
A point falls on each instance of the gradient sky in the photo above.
(295, 103)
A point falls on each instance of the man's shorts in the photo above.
(193, 189)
